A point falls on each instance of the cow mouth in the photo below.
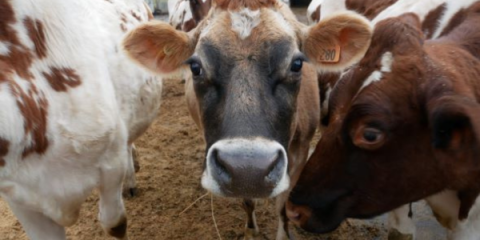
(318, 223)
(320, 218)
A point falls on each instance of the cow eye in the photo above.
(196, 68)
(368, 138)
(297, 65)
(371, 135)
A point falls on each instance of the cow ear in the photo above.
(159, 47)
(455, 127)
(338, 41)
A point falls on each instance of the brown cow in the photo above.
(251, 92)
(403, 125)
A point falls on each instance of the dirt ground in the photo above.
(171, 155)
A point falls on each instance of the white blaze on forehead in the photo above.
(244, 21)
(387, 61)
(386, 67)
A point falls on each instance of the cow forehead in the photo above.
(247, 27)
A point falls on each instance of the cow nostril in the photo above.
(221, 167)
(275, 169)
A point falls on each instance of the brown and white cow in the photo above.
(186, 14)
(430, 12)
(403, 126)
(251, 91)
(319, 9)
(72, 104)
(434, 16)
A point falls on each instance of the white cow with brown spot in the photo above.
(72, 104)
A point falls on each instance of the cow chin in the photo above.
(321, 227)
(246, 168)
(322, 219)
(314, 221)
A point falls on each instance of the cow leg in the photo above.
(282, 230)
(112, 210)
(130, 183)
(445, 207)
(251, 228)
(401, 225)
(36, 225)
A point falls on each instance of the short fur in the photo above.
(426, 117)
(72, 104)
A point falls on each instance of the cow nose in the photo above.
(247, 168)
(298, 215)
(240, 166)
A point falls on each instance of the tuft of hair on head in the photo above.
(338, 41)
(159, 47)
(235, 5)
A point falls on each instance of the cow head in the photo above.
(247, 63)
(402, 126)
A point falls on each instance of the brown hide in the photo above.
(406, 136)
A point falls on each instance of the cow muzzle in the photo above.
(246, 168)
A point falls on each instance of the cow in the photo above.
(434, 16)
(402, 127)
(186, 14)
(73, 103)
(251, 92)
(319, 9)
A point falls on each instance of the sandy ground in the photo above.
(171, 155)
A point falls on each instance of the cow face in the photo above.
(398, 131)
(247, 64)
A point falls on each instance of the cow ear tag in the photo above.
(330, 55)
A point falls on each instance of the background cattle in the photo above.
(73, 103)
(186, 14)
(401, 127)
(319, 9)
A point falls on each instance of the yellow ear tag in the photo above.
(168, 50)
(330, 55)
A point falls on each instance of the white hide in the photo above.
(89, 127)
(453, 6)
(179, 13)
(420, 8)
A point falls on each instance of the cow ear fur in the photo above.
(338, 41)
(159, 47)
(455, 128)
